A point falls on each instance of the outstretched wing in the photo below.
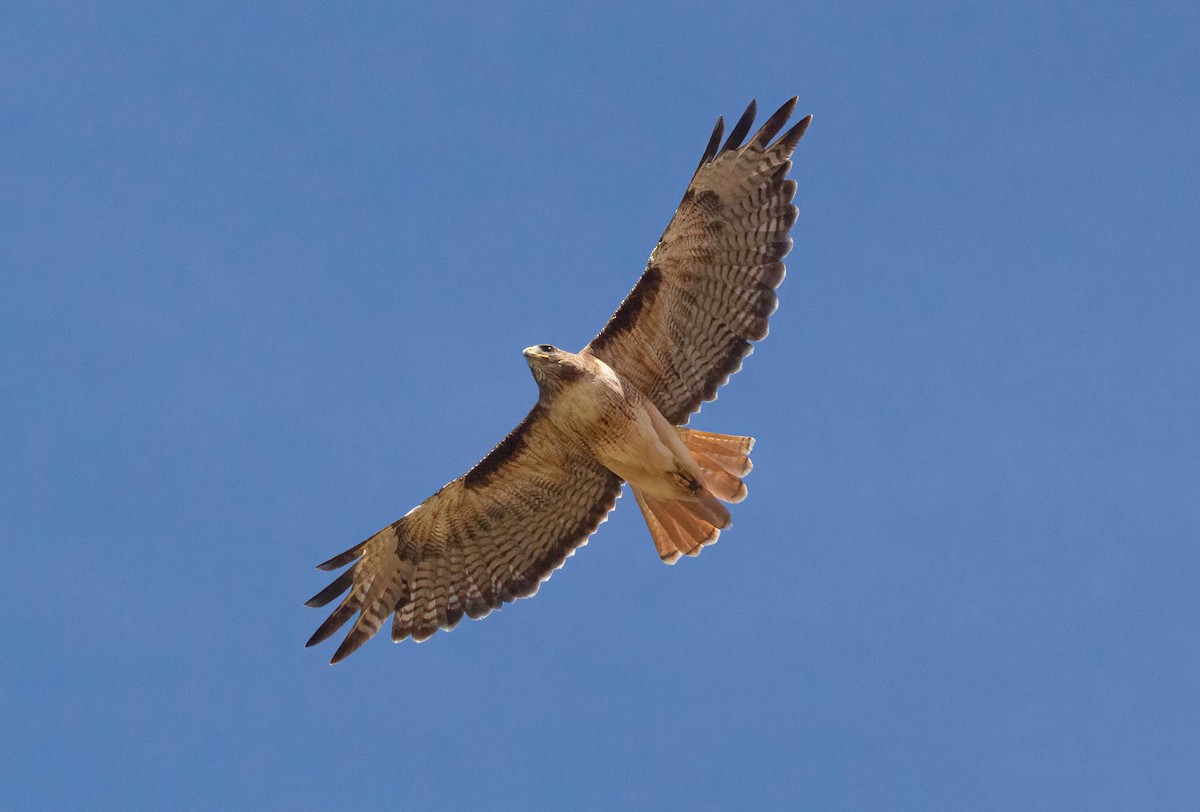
(710, 284)
(486, 538)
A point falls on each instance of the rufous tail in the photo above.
(685, 526)
(723, 459)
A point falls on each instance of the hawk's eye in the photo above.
(546, 348)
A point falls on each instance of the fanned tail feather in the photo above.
(723, 459)
(676, 528)
(685, 526)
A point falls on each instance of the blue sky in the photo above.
(265, 275)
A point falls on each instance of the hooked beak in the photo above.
(533, 352)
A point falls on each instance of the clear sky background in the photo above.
(265, 275)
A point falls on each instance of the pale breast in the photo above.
(618, 423)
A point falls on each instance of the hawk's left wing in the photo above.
(710, 284)
(486, 538)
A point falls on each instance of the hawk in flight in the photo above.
(611, 413)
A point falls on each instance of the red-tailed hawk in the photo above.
(611, 413)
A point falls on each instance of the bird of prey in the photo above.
(613, 412)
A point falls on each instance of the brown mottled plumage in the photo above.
(609, 414)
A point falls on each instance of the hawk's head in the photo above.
(553, 368)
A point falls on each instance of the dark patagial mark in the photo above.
(482, 474)
(627, 314)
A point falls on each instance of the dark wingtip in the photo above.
(339, 585)
(336, 620)
(342, 559)
(742, 127)
(348, 647)
(318, 637)
(774, 124)
(792, 137)
(714, 141)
